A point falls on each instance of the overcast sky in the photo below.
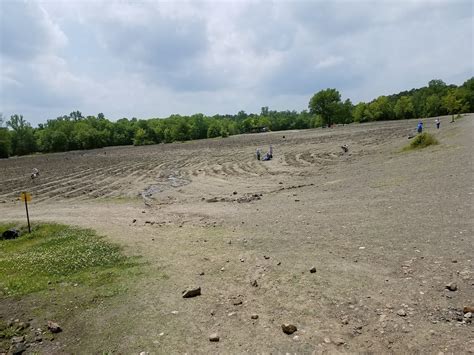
(151, 59)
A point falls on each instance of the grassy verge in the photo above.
(58, 254)
(422, 140)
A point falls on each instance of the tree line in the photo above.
(74, 131)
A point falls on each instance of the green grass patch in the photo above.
(58, 254)
(422, 140)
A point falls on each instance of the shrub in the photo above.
(421, 141)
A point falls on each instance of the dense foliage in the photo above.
(74, 131)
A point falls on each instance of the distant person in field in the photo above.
(258, 153)
(420, 127)
(437, 123)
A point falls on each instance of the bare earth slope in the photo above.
(385, 229)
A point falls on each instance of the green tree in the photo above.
(451, 103)
(404, 108)
(380, 109)
(359, 112)
(433, 106)
(214, 130)
(22, 138)
(325, 103)
(5, 140)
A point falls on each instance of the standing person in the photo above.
(258, 153)
(420, 127)
(437, 123)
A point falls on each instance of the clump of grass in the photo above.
(55, 253)
(422, 140)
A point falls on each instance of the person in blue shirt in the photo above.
(420, 127)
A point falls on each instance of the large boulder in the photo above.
(10, 234)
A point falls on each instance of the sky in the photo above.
(149, 59)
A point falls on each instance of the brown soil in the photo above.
(385, 229)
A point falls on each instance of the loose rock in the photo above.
(16, 340)
(254, 283)
(54, 327)
(192, 292)
(254, 316)
(288, 328)
(312, 270)
(10, 234)
(17, 349)
(402, 313)
(214, 337)
(452, 286)
(468, 309)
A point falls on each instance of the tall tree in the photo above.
(325, 103)
(451, 103)
(23, 139)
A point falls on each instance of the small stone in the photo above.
(312, 270)
(327, 340)
(214, 337)
(134, 220)
(468, 309)
(338, 341)
(296, 338)
(266, 257)
(288, 328)
(254, 283)
(468, 315)
(401, 312)
(174, 312)
(254, 316)
(17, 349)
(19, 339)
(452, 286)
(229, 242)
(144, 353)
(54, 327)
(192, 292)
(242, 260)
(202, 273)
(222, 268)
(237, 302)
(279, 263)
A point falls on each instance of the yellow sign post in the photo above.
(26, 196)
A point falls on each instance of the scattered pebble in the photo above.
(312, 270)
(214, 337)
(288, 328)
(254, 316)
(401, 312)
(468, 315)
(254, 283)
(192, 292)
(54, 327)
(452, 286)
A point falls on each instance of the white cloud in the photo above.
(154, 58)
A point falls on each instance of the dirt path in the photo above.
(385, 230)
